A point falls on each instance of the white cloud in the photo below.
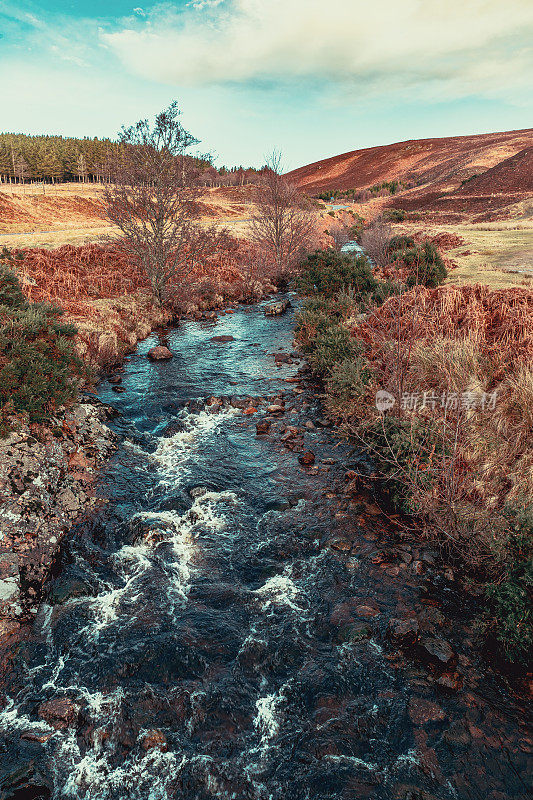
(453, 47)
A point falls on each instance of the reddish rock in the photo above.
(79, 462)
(276, 409)
(263, 427)
(160, 353)
(223, 339)
(422, 711)
(366, 611)
(307, 459)
(403, 631)
(115, 379)
(341, 614)
(59, 712)
(154, 739)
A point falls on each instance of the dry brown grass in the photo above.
(109, 298)
(474, 459)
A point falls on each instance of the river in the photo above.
(220, 627)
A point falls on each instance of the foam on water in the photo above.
(279, 590)
(173, 452)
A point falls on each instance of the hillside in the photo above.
(440, 163)
(515, 174)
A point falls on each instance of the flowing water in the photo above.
(212, 634)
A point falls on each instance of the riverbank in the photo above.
(435, 384)
(47, 474)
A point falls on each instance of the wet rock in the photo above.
(263, 427)
(115, 379)
(240, 402)
(118, 389)
(223, 339)
(341, 544)
(276, 409)
(68, 587)
(457, 734)
(354, 632)
(436, 651)
(23, 781)
(198, 491)
(160, 353)
(282, 358)
(450, 681)
(405, 791)
(277, 308)
(307, 459)
(366, 611)
(154, 739)
(60, 713)
(422, 711)
(403, 631)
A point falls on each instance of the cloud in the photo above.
(455, 47)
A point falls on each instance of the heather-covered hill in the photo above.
(515, 174)
(442, 164)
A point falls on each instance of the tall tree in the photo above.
(149, 199)
(282, 225)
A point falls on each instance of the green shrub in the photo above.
(426, 266)
(328, 273)
(424, 262)
(511, 597)
(400, 242)
(402, 450)
(395, 214)
(348, 380)
(39, 368)
(331, 345)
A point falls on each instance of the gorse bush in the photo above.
(331, 345)
(395, 214)
(511, 597)
(400, 242)
(423, 263)
(328, 273)
(39, 368)
(348, 382)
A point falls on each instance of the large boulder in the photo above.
(160, 353)
(59, 712)
(277, 308)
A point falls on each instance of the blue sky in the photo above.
(310, 77)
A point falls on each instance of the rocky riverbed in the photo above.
(236, 622)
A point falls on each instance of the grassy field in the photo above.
(71, 214)
(498, 254)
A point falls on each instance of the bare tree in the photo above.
(149, 199)
(375, 241)
(282, 224)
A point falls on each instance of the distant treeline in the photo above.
(378, 190)
(52, 159)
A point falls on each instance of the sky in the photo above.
(312, 78)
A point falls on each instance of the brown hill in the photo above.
(440, 163)
(515, 174)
